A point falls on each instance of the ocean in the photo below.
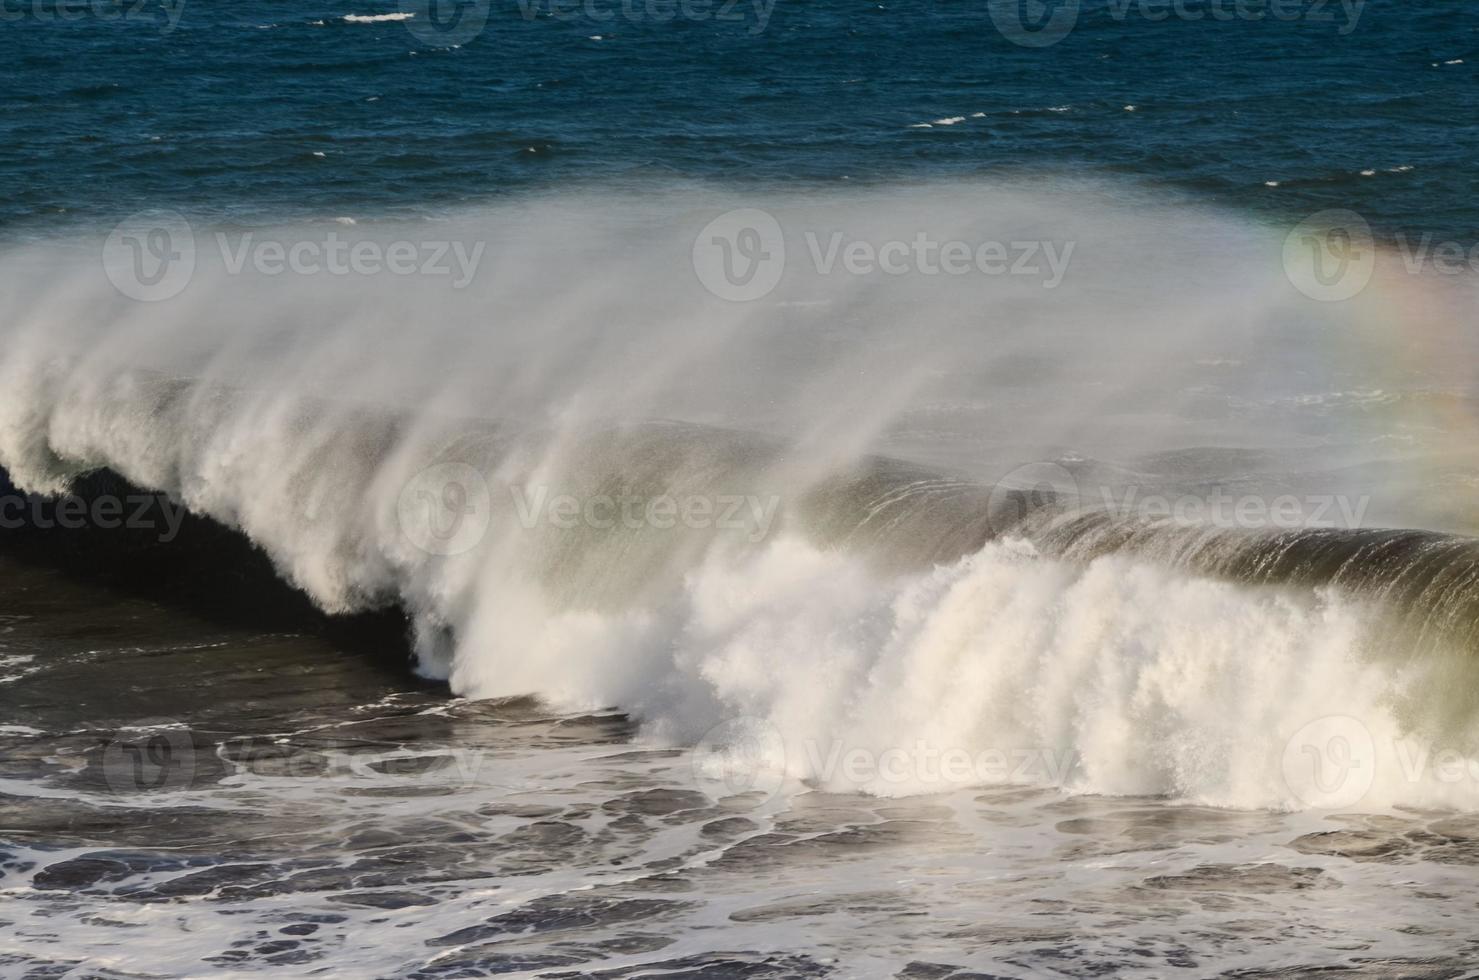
(738, 489)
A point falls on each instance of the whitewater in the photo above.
(863, 580)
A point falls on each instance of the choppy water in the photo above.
(253, 110)
(1113, 619)
(304, 813)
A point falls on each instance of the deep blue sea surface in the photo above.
(258, 109)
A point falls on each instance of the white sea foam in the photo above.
(1126, 678)
(376, 18)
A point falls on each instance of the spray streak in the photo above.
(882, 606)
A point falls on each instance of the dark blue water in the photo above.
(223, 115)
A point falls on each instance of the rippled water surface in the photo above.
(258, 109)
(295, 807)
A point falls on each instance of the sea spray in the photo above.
(876, 607)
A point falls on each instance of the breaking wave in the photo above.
(818, 551)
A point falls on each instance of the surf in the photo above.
(897, 574)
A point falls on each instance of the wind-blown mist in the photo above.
(839, 565)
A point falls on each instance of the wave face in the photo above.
(823, 553)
